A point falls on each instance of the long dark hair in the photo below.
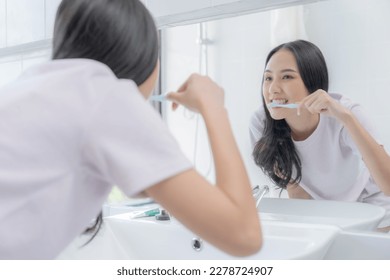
(119, 33)
(275, 152)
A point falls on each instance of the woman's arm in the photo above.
(297, 192)
(225, 214)
(373, 154)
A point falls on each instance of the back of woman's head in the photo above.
(275, 152)
(118, 33)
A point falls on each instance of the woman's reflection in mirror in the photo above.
(326, 147)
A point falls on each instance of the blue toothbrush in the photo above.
(158, 98)
(290, 105)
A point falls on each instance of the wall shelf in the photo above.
(24, 48)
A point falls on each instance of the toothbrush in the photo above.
(158, 98)
(290, 105)
(146, 213)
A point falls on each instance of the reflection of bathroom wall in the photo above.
(235, 61)
(355, 38)
(353, 35)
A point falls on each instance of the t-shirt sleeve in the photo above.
(363, 119)
(256, 126)
(127, 144)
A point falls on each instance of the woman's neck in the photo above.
(303, 126)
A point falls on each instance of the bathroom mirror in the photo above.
(353, 36)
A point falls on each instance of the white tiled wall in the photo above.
(3, 20)
(354, 36)
(50, 13)
(25, 21)
(22, 22)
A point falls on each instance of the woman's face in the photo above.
(283, 84)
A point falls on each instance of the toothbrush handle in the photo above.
(291, 105)
(159, 98)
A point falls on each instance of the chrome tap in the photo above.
(259, 192)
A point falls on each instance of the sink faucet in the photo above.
(259, 192)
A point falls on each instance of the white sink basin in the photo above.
(360, 245)
(345, 215)
(150, 239)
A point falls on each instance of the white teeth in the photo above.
(279, 101)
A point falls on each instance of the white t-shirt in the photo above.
(69, 131)
(332, 167)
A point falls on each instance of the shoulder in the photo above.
(361, 115)
(73, 77)
(345, 101)
(68, 67)
(355, 107)
(93, 82)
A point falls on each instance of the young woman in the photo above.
(75, 126)
(325, 148)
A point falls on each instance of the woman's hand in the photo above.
(198, 93)
(320, 102)
(373, 154)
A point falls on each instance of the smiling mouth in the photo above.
(279, 101)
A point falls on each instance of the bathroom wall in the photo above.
(354, 36)
(26, 26)
(23, 22)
